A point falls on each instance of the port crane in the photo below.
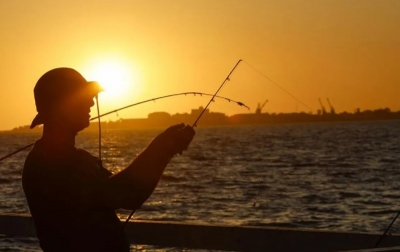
(332, 108)
(322, 107)
(260, 107)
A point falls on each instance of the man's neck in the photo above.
(58, 136)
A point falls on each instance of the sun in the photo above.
(118, 78)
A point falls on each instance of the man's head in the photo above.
(63, 95)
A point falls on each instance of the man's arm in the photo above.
(131, 187)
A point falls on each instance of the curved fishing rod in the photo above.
(138, 103)
(198, 118)
(172, 95)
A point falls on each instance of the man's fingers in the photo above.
(189, 130)
(175, 127)
(185, 137)
(177, 137)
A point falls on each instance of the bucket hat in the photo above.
(57, 85)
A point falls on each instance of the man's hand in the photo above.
(184, 138)
(173, 140)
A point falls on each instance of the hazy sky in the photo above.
(347, 51)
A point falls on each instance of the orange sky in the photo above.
(344, 50)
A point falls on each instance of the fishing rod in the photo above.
(215, 95)
(138, 103)
(387, 230)
(201, 114)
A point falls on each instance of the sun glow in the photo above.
(117, 78)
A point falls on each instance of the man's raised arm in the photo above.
(131, 187)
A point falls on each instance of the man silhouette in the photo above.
(71, 196)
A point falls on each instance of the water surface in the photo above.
(331, 176)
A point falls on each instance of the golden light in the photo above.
(119, 79)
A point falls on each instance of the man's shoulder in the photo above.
(40, 156)
(83, 155)
(76, 161)
(42, 159)
(93, 161)
(36, 168)
(35, 157)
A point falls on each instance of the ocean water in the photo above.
(330, 176)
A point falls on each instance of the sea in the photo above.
(326, 176)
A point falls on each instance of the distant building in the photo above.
(162, 116)
(197, 112)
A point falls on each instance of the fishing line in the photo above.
(283, 89)
(138, 103)
(279, 86)
(99, 123)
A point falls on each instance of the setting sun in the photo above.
(117, 78)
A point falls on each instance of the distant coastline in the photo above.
(164, 119)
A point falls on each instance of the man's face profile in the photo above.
(75, 112)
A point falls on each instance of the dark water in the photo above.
(334, 176)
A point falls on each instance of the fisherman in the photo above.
(71, 196)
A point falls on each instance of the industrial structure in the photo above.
(323, 110)
(333, 112)
(260, 107)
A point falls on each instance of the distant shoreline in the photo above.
(211, 119)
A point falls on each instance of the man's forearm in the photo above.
(148, 167)
(132, 186)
